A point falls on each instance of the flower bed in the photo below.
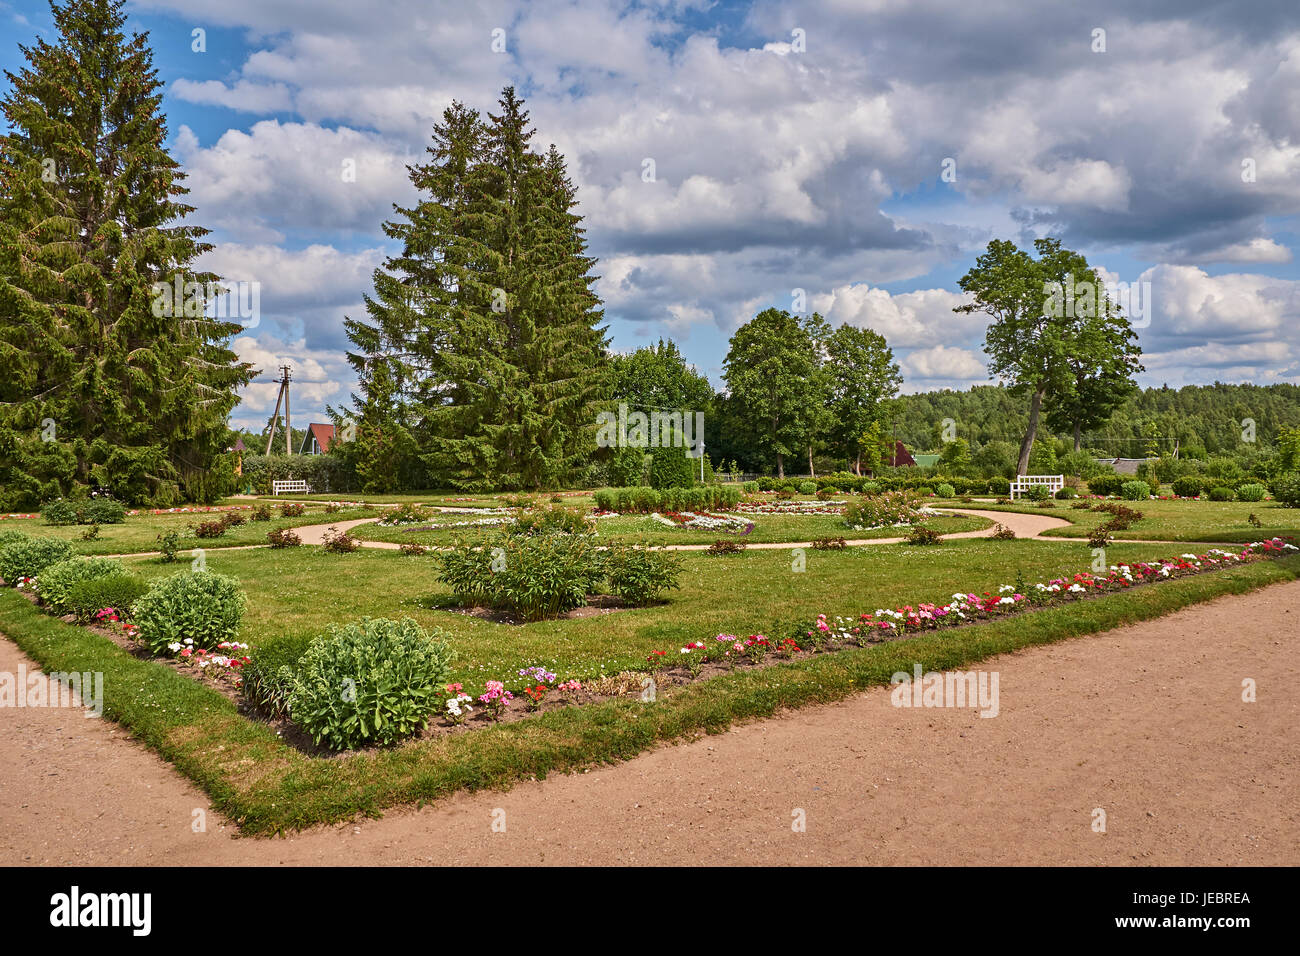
(703, 521)
(791, 507)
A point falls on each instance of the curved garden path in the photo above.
(1144, 721)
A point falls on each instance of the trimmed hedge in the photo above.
(644, 500)
(28, 557)
(55, 583)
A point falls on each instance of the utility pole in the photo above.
(281, 395)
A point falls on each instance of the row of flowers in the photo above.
(791, 507)
(495, 699)
(704, 521)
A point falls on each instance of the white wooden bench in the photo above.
(296, 484)
(1023, 483)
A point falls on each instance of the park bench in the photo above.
(1024, 482)
(297, 484)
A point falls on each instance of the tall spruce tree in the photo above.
(488, 314)
(103, 388)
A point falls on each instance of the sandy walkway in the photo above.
(1145, 722)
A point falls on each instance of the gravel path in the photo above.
(1144, 722)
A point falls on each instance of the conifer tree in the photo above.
(103, 387)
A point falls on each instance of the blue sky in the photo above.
(795, 146)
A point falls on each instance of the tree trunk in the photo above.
(1078, 437)
(780, 465)
(857, 464)
(812, 471)
(1027, 446)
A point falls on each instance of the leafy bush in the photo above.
(405, 513)
(1135, 491)
(830, 543)
(1286, 489)
(335, 541)
(627, 466)
(209, 529)
(200, 605)
(233, 519)
(870, 488)
(644, 500)
(59, 512)
(890, 508)
(923, 536)
(807, 487)
(12, 536)
(640, 575)
(925, 490)
(1221, 493)
(1189, 486)
(261, 513)
(532, 576)
(1106, 484)
(1038, 492)
(1066, 494)
(293, 509)
(28, 557)
(1251, 492)
(1003, 533)
(169, 543)
(55, 582)
(553, 519)
(946, 491)
(671, 468)
(90, 511)
(374, 681)
(283, 538)
(268, 677)
(412, 550)
(750, 487)
(119, 591)
(1100, 536)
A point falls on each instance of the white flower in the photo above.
(174, 646)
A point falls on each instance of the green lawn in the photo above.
(643, 528)
(140, 532)
(302, 590)
(1181, 520)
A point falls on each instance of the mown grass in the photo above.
(301, 591)
(1182, 520)
(267, 787)
(139, 533)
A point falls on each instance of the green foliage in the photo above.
(374, 681)
(1135, 491)
(807, 487)
(946, 490)
(28, 557)
(533, 577)
(268, 677)
(1107, 483)
(1189, 486)
(1222, 493)
(138, 384)
(627, 466)
(283, 538)
(63, 511)
(750, 487)
(56, 581)
(1286, 489)
(200, 605)
(645, 500)
(169, 543)
(1251, 492)
(1038, 493)
(550, 519)
(671, 468)
(879, 511)
(1066, 494)
(118, 591)
(924, 536)
(640, 575)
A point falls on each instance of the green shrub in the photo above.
(55, 582)
(1038, 492)
(119, 592)
(890, 508)
(925, 490)
(12, 536)
(1106, 484)
(923, 536)
(169, 543)
(59, 512)
(807, 487)
(534, 577)
(1286, 489)
(1251, 492)
(1066, 494)
(870, 488)
(1222, 493)
(671, 468)
(28, 557)
(268, 677)
(750, 487)
(374, 681)
(551, 519)
(1189, 486)
(946, 491)
(102, 511)
(640, 575)
(1135, 491)
(199, 605)
(283, 538)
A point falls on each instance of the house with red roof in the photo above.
(317, 440)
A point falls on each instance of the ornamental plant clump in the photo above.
(1286, 489)
(882, 511)
(119, 592)
(374, 681)
(292, 509)
(640, 575)
(54, 584)
(1135, 491)
(534, 577)
(553, 519)
(335, 541)
(1251, 492)
(28, 557)
(200, 605)
(283, 538)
